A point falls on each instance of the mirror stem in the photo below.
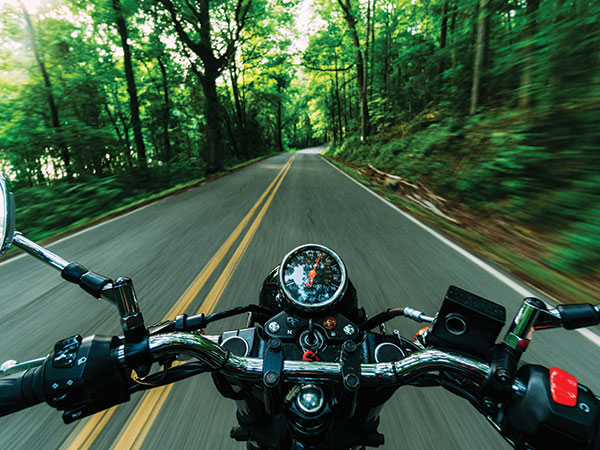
(39, 252)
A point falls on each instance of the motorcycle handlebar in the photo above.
(215, 357)
(103, 388)
(21, 390)
(533, 419)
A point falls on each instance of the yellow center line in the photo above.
(217, 291)
(88, 430)
(138, 426)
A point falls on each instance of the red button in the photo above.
(563, 387)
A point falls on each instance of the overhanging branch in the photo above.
(321, 69)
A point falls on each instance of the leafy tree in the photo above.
(210, 31)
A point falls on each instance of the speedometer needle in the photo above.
(312, 274)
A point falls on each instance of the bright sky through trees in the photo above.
(33, 6)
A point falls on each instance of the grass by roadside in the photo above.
(46, 231)
(550, 282)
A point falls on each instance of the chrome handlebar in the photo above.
(398, 373)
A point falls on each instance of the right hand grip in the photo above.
(552, 416)
(21, 390)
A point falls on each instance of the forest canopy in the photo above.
(493, 103)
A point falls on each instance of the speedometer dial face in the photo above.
(312, 277)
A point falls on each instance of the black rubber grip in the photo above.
(578, 316)
(90, 282)
(21, 390)
(73, 272)
(93, 283)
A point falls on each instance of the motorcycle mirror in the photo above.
(7, 216)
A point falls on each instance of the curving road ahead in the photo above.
(202, 250)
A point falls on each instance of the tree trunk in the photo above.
(443, 38)
(479, 56)
(231, 133)
(453, 50)
(64, 149)
(443, 31)
(332, 110)
(134, 105)
(360, 69)
(240, 113)
(386, 60)
(126, 125)
(344, 106)
(166, 109)
(338, 103)
(372, 68)
(124, 144)
(212, 116)
(239, 110)
(367, 37)
(279, 122)
(527, 76)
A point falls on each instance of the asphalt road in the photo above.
(164, 246)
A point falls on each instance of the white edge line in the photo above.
(588, 334)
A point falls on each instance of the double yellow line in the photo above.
(135, 431)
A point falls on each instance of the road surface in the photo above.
(164, 247)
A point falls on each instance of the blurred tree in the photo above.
(131, 89)
(481, 46)
(49, 92)
(361, 72)
(528, 50)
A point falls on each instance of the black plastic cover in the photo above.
(467, 322)
(73, 272)
(90, 282)
(93, 283)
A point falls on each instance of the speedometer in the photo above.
(312, 277)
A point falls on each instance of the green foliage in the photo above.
(74, 59)
(578, 248)
(529, 154)
(44, 210)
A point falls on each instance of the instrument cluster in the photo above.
(312, 278)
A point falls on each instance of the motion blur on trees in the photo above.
(492, 103)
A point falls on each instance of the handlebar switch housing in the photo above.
(540, 419)
(82, 377)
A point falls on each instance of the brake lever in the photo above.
(11, 366)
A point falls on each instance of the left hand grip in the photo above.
(21, 390)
